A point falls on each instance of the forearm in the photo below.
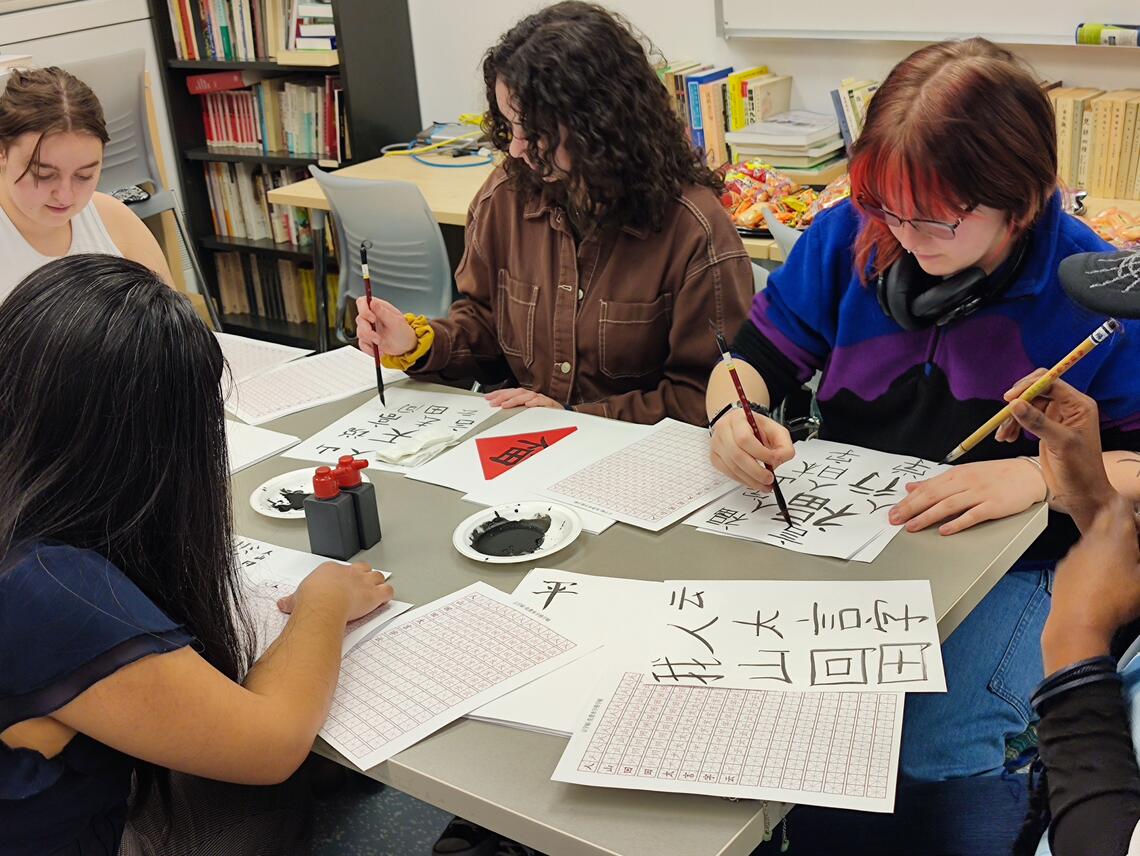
(298, 672)
(722, 391)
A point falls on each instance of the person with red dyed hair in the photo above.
(923, 300)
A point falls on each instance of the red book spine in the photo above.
(200, 84)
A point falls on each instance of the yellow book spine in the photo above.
(737, 91)
(1128, 144)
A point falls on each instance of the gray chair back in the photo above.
(407, 261)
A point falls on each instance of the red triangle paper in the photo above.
(499, 454)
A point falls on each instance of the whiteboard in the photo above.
(1011, 22)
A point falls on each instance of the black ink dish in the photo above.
(502, 537)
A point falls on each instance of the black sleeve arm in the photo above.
(757, 350)
(1094, 783)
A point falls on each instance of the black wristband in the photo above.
(756, 408)
(1089, 671)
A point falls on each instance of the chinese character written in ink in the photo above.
(789, 534)
(844, 457)
(917, 468)
(383, 419)
(408, 408)
(396, 435)
(352, 433)
(839, 666)
(696, 634)
(864, 486)
(761, 499)
(517, 454)
(557, 587)
(435, 410)
(327, 450)
(883, 618)
(727, 517)
(766, 624)
(671, 674)
(845, 619)
(779, 668)
(902, 662)
(824, 521)
(697, 598)
(428, 420)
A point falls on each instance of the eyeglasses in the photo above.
(931, 228)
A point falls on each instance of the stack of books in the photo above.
(302, 118)
(292, 32)
(805, 146)
(850, 101)
(1098, 140)
(240, 208)
(275, 289)
(713, 102)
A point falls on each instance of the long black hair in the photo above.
(578, 67)
(112, 439)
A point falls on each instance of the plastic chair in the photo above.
(785, 236)
(407, 262)
(119, 81)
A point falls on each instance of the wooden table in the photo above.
(499, 776)
(448, 191)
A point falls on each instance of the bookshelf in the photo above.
(375, 64)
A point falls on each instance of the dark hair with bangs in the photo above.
(578, 67)
(956, 124)
(113, 439)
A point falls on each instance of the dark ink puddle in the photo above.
(502, 537)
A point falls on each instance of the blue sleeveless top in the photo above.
(68, 618)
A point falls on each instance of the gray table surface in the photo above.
(499, 776)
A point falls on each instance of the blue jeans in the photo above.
(993, 662)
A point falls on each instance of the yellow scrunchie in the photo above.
(425, 335)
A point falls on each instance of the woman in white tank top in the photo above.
(52, 135)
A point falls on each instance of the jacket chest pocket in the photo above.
(514, 316)
(634, 337)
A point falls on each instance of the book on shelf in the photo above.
(766, 95)
(272, 289)
(738, 94)
(1098, 141)
(790, 128)
(850, 101)
(278, 115)
(693, 83)
(240, 207)
(311, 27)
(249, 30)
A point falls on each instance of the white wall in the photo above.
(450, 37)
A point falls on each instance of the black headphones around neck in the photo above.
(915, 299)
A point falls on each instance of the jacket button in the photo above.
(565, 368)
(581, 294)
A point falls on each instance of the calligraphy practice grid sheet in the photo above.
(304, 383)
(413, 426)
(435, 664)
(270, 572)
(650, 483)
(613, 611)
(843, 635)
(829, 749)
(838, 499)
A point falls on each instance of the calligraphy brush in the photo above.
(364, 245)
(746, 406)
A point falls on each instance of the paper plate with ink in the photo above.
(283, 496)
(516, 532)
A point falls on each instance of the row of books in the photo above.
(277, 116)
(713, 102)
(240, 207)
(252, 29)
(1098, 140)
(850, 100)
(276, 289)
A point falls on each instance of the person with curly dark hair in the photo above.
(597, 253)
